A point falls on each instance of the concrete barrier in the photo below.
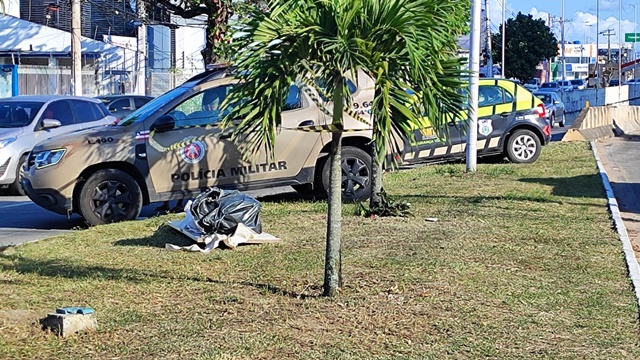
(601, 122)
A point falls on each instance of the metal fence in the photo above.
(161, 82)
(46, 80)
(55, 80)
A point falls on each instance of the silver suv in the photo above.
(27, 120)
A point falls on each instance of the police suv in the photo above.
(173, 147)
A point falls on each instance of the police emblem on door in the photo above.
(485, 127)
(193, 152)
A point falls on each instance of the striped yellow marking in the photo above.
(494, 142)
(424, 153)
(481, 144)
(457, 148)
(409, 156)
(440, 151)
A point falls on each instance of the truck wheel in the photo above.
(16, 187)
(109, 196)
(356, 169)
(523, 147)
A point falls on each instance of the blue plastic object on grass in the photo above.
(75, 310)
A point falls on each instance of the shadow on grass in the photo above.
(481, 199)
(293, 197)
(61, 268)
(165, 234)
(581, 186)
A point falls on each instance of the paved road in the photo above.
(621, 159)
(22, 221)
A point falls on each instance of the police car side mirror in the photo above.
(164, 123)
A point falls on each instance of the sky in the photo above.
(579, 14)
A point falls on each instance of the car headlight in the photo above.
(5, 142)
(48, 158)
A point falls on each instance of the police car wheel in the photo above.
(356, 169)
(109, 196)
(16, 187)
(523, 146)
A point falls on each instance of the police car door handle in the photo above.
(225, 135)
(505, 114)
(306, 123)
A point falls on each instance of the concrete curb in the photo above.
(627, 249)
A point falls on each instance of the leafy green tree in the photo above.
(326, 41)
(218, 13)
(528, 41)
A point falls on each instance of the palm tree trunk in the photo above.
(333, 255)
(376, 178)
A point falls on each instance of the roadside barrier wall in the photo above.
(601, 122)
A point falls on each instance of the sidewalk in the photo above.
(621, 159)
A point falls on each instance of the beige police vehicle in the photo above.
(172, 148)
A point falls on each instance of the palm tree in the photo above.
(328, 41)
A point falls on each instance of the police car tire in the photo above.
(523, 135)
(350, 154)
(116, 179)
(16, 187)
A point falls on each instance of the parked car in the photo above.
(565, 85)
(554, 107)
(578, 84)
(173, 147)
(123, 105)
(549, 86)
(533, 84)
(27, 120)
(614, 82)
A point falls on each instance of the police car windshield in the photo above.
(155, 104)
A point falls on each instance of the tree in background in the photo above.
(528, 42)
(319, 43)
(218, 14)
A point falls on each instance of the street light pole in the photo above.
(474, 67)
(620, 43)
(564, 67)
(597, 49)
(504, 19)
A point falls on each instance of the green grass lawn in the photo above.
(523, 263)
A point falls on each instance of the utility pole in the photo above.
(488, 44)
(76, 49)
(504, 20)
(608, 33)
(474, 67)
(141, 62)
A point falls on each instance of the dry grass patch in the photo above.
(523, 263)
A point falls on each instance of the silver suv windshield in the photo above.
(155, 104)
(15, 114)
